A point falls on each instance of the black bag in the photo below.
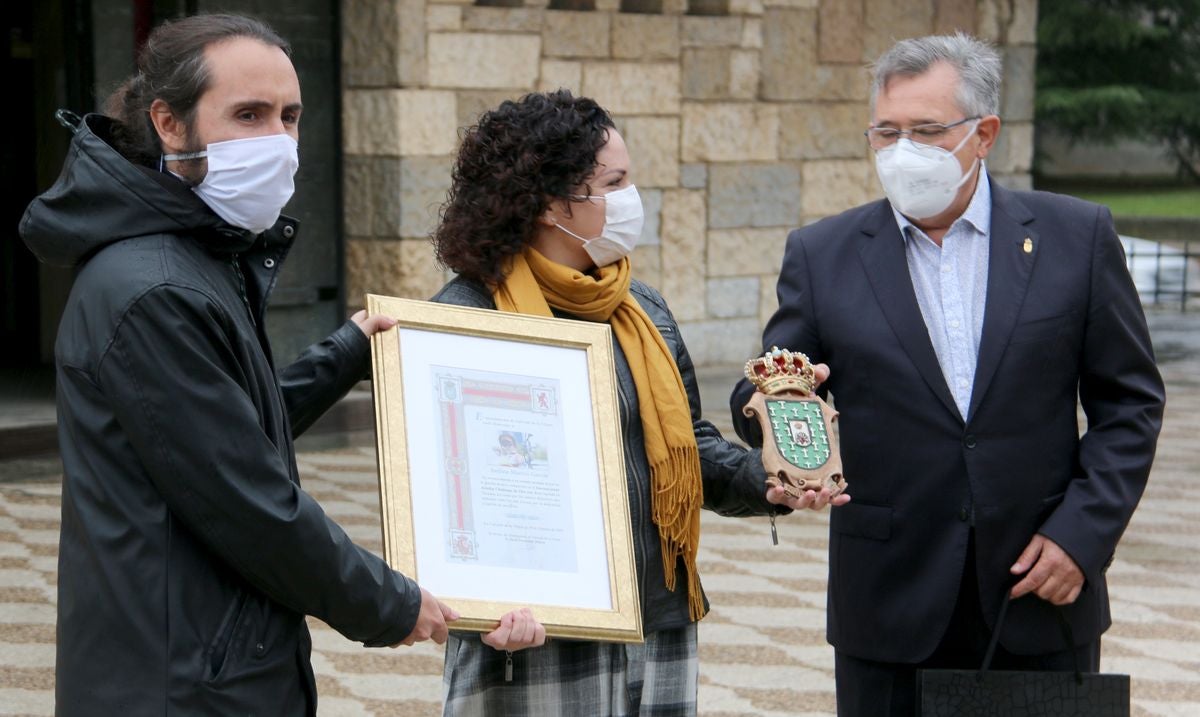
(1013, 693)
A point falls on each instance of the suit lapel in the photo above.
(1012, 252)
(883, 257)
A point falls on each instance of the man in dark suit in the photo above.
(962, 324)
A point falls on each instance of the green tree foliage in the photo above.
(1112, 69)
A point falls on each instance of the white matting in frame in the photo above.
(501, 468)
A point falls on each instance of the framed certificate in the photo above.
(501, 468)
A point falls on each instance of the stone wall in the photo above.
(740, 127)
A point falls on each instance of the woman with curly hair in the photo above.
(541, 217)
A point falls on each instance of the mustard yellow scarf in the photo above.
(534, 284)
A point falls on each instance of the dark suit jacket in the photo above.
(1062, 322)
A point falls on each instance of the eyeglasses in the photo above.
(927, 134)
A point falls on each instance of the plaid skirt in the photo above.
(658, 678)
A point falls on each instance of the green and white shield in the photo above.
(799, 432)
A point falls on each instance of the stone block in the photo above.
(822, 130)
(683, 234)
(476, 60)
(752, 34)
(753, 195)
(443, 18)
(886, 21)
(789, 51)
(832, 186)
(693, 176)
(841, 36)
(652, 200)
(371, 191)
(633, 88)
(790, 70)
(561, 74)
(646, 263)
(1007, 22)
(950, 16)
(733, 298)
(424, 182)
(383, 43)
(793, 4)
(745, 74)
(768, 299)
(404, 268)
(730, 132)
(473, 103)
(653, 144)
(503, 19)
(745, 7)
(1019, 85)
(1013, 151)
(710, 31)
(706, 73)
(399, 122)
(645, 37)
(720, 341)
(746, 252)
(576, 34)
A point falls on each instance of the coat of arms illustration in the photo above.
(800, 448)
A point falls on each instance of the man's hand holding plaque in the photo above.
(800, 446)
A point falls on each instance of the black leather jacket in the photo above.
(189, 554)
(733, 477)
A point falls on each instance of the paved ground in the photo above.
(762, 648)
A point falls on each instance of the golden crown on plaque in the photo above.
(781, 370)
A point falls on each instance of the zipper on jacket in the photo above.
(241, 280)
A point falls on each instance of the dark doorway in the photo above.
(71, 54)
(46, 50)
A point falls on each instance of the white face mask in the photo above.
(249, 180)
(623, 218)
(921, 180)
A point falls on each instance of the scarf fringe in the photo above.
(676, 511)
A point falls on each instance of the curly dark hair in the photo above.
(517, 159)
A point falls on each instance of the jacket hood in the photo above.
(101, 198)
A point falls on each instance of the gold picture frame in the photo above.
(511, 424)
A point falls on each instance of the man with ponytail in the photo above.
(189, 554)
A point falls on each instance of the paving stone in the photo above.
(752, 584)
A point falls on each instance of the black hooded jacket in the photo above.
(189, 554)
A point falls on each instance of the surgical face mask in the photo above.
(623, 218)
(249, 180)
(921, 180)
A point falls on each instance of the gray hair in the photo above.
(977, 62)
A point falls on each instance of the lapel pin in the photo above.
(1027, 246)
